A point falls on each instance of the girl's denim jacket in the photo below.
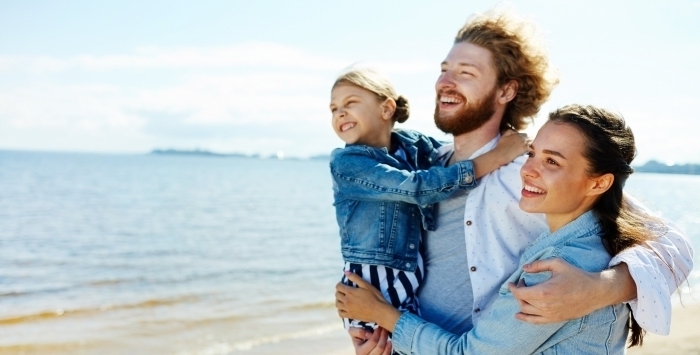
(378, 198)
(499, 332)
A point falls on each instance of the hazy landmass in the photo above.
(199, 152)
(206, 153)
(654, 166)
(651, 166)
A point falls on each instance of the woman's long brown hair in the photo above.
(610, 149)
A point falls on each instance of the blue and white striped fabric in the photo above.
(398, 287)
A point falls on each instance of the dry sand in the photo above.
(684, 337)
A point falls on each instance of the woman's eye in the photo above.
(530, 154)
(552, 161)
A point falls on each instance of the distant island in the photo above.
(206, 153)
(651, 166)
(198, 152)
(654, 166)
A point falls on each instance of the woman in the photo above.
(577, 167)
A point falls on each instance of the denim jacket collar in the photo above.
(583, 226)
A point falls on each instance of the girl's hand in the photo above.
(364, 303)
(511, 145)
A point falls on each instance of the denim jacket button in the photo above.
(408, 265)
(477, 310)
(468, 179)
(469, 223)
(412, 246)
(473, 268)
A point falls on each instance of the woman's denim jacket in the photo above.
(499, 332)
(378, 198)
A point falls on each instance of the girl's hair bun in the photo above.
(402, 110)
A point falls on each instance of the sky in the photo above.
(254, 77)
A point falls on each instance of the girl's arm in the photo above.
(359, 176)
(510, 146)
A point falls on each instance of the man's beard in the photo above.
(468, 118)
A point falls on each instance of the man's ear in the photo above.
(507, 92)
(601, 184)
(388, 109)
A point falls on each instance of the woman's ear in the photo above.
(388, 109)
(601, 184)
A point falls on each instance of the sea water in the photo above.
(150, 254)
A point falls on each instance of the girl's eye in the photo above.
(552, 161)
(530, 154)
(333, 110)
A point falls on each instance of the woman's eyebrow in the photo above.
(548, 151)
(553, 152)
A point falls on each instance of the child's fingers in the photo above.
(360, 282)
(508, 132)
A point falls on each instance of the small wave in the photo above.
(46, 315)
(227, 348)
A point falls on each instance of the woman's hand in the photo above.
(364, 303)
(370, 343)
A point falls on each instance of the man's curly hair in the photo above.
(519, 55)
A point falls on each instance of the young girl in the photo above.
(385, 183)
(577, 168)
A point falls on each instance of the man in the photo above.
(496, 76)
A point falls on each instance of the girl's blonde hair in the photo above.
(374, 82)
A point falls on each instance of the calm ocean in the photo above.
(144, 254)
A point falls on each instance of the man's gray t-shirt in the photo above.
(446, 297)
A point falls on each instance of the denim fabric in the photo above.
(378, 198)
(499, 332)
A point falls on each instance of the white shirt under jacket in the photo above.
(497, 231)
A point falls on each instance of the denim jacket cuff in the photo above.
(405, 329)
(467, 180)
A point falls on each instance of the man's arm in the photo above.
(657, 268)
(645, 276)
(571, 292)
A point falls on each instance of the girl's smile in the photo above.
(360, 117)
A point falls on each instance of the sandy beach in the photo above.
(684, 337)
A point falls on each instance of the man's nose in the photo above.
(444, 81)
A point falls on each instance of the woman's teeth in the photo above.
(346, 126)
(534, 189)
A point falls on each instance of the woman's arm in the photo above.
(412, 335)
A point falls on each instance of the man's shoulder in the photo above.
(507, 176)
